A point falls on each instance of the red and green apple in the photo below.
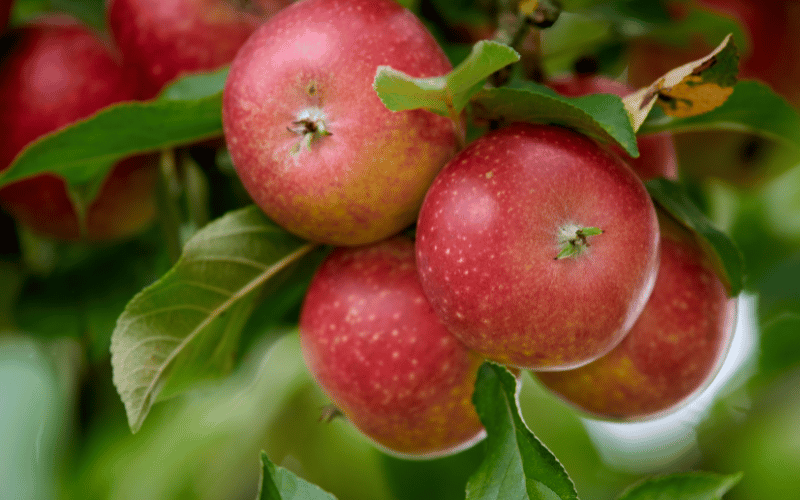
(375, 346)
(675, 348)
(537, 247)
(313, 144)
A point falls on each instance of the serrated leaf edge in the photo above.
(137, 412)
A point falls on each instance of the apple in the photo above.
(656, 152)
(537, 247)
(375, 346)
(166, 39)
(311, 141)
(675, 348)
(54, 72)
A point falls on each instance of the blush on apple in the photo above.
(54, 72)
(373, 343)
(537, 247)
(656, 152)
(674, 349)
(312, 142)
(165, 39)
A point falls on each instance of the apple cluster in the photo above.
(56, 71)
(536, 247)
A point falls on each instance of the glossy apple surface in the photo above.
(656, 152)
(53, 73)
(675, 348)
(311, 141)
(493, 224)
(375, 346)
(166, 39)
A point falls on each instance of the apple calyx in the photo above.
(310, 124)
(573, 239)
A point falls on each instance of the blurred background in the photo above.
(63, 430)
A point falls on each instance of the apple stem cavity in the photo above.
(310, 124)
(573, 239)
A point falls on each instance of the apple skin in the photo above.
(166, 39)
(656, 152)
(673, 351)
(487, 241)
(365, 181)
(375, 346)
(54, 73)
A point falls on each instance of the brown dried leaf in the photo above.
(689, 90)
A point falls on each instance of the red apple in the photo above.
(674, 349)
(509, 252)
(165, 39)
(656, 152)
(55, 72)
(373, 343)
(311, 141)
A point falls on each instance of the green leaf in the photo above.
(186, 327)
(278, 483)
(195, 86)
(683, 486)
(517, 464)
(752, 107)
(445, 95)
(724, 254)
(601, 116)
(188, 111)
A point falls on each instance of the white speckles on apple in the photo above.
(406, 366)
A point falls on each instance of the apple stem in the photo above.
(458, 126)
(167, 194)
(311, 125)
(573, 240)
